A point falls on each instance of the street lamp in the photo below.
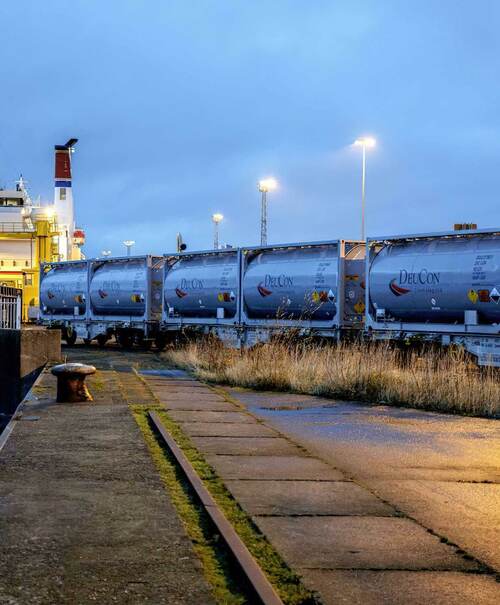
(128, 243)
(106, 253)
(217, 218)
(365, 143)
(265, 185)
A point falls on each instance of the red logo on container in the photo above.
(263, 291)
(180, 293)
(397, 290)
(102, 294)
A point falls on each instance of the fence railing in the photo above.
(10, 308)
(16, 227)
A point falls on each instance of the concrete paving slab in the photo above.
(306, 498)
(244, 446)
(477, 504)
(90, 465)
(227, 429)
(188, 396)
(359, 543)
(186, 390)
(187, 416)
(196, 404)
(281, 468)
(84, 584)
(175, 383)
(402, 587)
(276, 400)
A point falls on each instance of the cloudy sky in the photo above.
(181, 106)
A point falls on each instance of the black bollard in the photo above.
(71, 387)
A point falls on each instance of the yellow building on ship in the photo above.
(33, 233)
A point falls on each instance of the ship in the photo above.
(33, 232)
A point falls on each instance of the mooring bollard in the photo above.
(71, 386)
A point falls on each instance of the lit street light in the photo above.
(49, 212)
(365, 143)
(265, 185)
(128, 243)
(217, 218)
(106, 253)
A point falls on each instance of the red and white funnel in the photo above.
(63, 163)
(63, 197)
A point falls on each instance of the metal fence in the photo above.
(16, 227)
(10, 308)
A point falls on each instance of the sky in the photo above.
(180, 108)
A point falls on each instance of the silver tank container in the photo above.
(119, 287)
(64, 288)
(437, 280)
(295, 283)
(199, 285)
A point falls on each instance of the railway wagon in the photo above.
(442, 287)
(439, 287)
(246, 295)
(100, 298)
(313, 288)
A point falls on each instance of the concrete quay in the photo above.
(85, 518)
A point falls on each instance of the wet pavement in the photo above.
(330, 527)
(441, 470)
(368, 504)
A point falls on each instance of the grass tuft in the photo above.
(438, 380)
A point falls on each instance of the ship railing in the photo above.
(16, 227)
(10, 308)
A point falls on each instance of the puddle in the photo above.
(166, 373)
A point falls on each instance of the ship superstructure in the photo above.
(34, 232)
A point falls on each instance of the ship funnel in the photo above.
(63, 200)
(63, 163)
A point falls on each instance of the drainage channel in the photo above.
(248, 565)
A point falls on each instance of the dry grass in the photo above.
(441, 381)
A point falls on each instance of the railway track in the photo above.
(257, 580)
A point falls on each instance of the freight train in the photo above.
(440, 287)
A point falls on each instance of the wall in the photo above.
(23, 353)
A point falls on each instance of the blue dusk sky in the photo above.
(181, 106)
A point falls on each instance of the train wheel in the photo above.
(141, 342)
(102, 339)
(70, 337)
(160, 342)
(125, 340)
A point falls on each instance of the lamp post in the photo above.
(128, 243)
(365, 143)
(216, 218)
(265, 185)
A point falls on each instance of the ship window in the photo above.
(28, 280)
(8, 201)
(62, 193)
